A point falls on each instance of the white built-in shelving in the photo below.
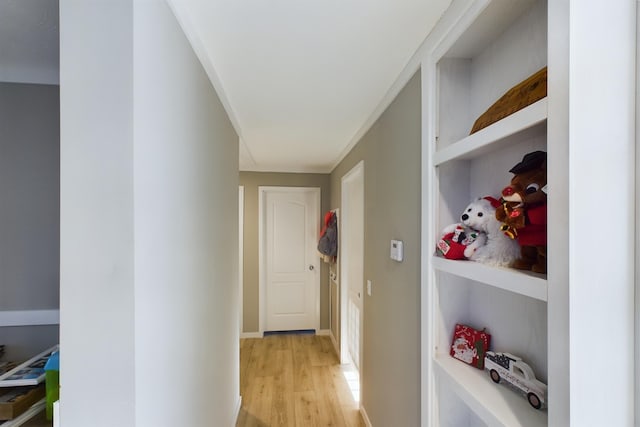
(494, 405)
(529, 284)
(490, 47)
(517, 127)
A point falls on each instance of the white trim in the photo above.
(241, 256)
(261, 266)
(251, 335)
(343, 297)
(637, 243)
(429, 415)
(238, 408)
(365, 417)
(29, 317)
(334, 269)
(323, 332)
(262, 191)
(336, 347)
(56, 413)
(184, 20)
(457, 18)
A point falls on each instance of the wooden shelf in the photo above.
(529, 284)
(518, 126)
(495, 404)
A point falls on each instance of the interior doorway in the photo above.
(289, 263)
(352, 266)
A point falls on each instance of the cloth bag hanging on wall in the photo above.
(328, 243)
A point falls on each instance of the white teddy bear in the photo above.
(498, 250)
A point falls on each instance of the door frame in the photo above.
(241, 257)
(262, 240)
(355, 172)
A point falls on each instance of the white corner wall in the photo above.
(601, 76)
(149, 320)
(96, 214)
(186, 233)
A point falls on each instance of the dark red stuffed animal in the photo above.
(524, 211)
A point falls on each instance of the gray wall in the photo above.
(29, 212)
(148, 270)
(391, 152)
(251, 182)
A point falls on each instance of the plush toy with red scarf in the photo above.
(459, 241)
(478, 237)
(524, 211)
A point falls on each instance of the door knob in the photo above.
(311, 268)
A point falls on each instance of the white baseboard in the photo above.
(239, 406)
(324, 332)
(29, 317)
(336, 347)
(56, 413)
(365, 417)
(251, 335)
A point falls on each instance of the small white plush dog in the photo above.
(498, 250)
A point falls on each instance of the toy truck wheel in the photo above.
(495, 376)
(534, 400)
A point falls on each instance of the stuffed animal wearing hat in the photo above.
(497, 250)
(524, 211)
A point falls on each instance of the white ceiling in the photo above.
(300, 79)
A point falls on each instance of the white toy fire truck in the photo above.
(505, 366)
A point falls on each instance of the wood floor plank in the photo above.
(327, 399)
(301, 364)
(246, 349)
(323, 353)
(306, 408)
(282, 413)
(350, 410)
(259, 402)
(294, 381)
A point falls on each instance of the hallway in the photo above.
(294, 380)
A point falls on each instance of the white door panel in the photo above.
(292, 274)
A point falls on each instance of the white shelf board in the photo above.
(525, 283)
(495, 404)
(494, 136)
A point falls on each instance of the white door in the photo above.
(290, 263)
(352, 263)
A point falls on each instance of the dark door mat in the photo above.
(296, 332)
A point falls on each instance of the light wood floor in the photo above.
(294, 380)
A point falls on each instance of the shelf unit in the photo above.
(492, 46)
(26, 416)
(529, 284)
